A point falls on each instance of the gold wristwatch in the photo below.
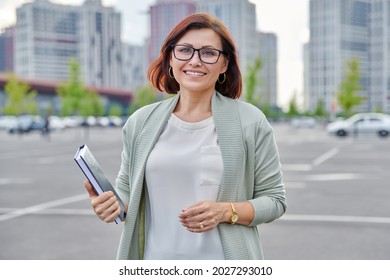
(234, 216)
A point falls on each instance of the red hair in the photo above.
(158, 70)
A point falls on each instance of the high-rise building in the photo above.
(134, 66)
(46, 38)
(239, 16)
(7, 49)
(341, 30)
(48, 35)
(269, 57)
(379, 77)
(164, 15)
(100, 44)
(306, 77)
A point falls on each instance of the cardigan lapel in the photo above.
(149, 134)
(151, 130)
(229, 131)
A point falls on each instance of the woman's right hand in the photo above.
(106, 206)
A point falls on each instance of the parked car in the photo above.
(56, 123)
(27, 123)
(361, 123)
(6, 122)
(103, 121)
(89, 121)
(303, 122)
(73, 121)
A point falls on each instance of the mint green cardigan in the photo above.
(252, 172)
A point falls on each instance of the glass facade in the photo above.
(343, 30)
(164, 15)
(7, 49)
(49, 35)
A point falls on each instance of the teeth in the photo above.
(195, 73)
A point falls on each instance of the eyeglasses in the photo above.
(206, 55)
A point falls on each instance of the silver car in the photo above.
(362, 123)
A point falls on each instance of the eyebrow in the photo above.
(202, 47)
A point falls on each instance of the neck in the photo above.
(194, 108)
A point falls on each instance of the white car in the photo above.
(367, 123)
(303, 122)
(56, 123)
(6, 122)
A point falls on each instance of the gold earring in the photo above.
(169, 72)
(224, 79)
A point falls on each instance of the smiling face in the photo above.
(195, 76)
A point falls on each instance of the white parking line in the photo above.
(334, 177)
(42, 206)
(324, 157)
(296, 167)
(331, 218)
(21, 181)
(56, 211)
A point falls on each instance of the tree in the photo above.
(320, 110)
(348, 96)
(20, 99)
(143, 96)
(75, 99)
(91, 105)
(293, 107)
(271, 112)
(267, 110)
(115, 110)
(72, 92)
(378, 109)
(252, 80)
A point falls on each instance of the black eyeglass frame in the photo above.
(197, 50)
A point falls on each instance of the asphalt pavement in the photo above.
(337, 192)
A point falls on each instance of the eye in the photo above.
(209, 52)
(184, 49)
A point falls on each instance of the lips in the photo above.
(194, 73)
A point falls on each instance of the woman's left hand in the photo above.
(204, 215)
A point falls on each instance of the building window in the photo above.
(98, 18)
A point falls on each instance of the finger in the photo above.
(200, 227)
(192, 210)
(193, 220)
(194, 223)
(202, 212)
(103, 202)
(111, 213)
(90, 190)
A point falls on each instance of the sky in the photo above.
(287, 19)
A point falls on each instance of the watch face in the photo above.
(234, 218)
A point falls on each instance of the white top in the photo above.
(184, 167)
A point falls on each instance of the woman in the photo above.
(200, 170)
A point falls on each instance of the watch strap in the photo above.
(233, 214)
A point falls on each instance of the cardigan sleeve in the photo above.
(130, 132)
(269, 201)
(122, 179)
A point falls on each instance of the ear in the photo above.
(225, 65)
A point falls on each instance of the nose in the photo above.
(195, 59)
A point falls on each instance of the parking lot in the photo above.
(337, 192)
